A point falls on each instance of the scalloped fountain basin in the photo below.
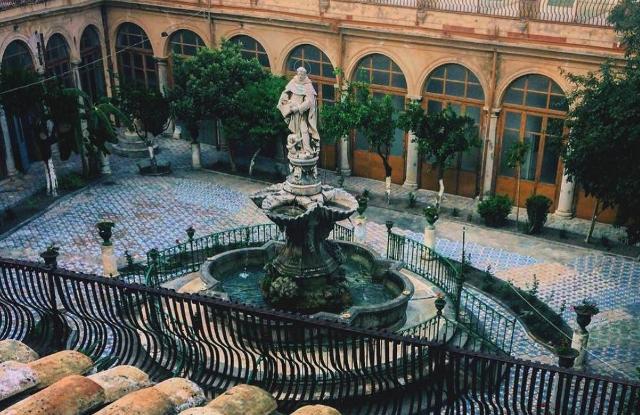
(379, 293)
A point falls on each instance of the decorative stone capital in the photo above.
(495, 112)
(414, 98)
(161, 61)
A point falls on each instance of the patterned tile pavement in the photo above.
(154, 212)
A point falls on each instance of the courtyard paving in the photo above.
(153, 212)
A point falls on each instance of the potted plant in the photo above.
(50, 255)
(494, 210)
(566, 355)
(104, 229)
(431, 215)
(584, 312)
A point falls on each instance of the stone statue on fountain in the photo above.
(298, 107)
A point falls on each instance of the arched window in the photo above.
(135, 56)
(17, 56)
(320, 71)
(185, 42)
(455, 85)
(385, 78)
(57, 59)
(251, 48)
(534, 112)
(91, 66)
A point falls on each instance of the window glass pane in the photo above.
(535, 99)
(455, 72)
(313, 68)
(558, 103)
(533, 124)
(455, 89)
(519, 83)
(472, 78)
(327, 71)
(550, 156)
(397, 147)
(296, 53)
(538, 83)
(473, 112)
(435, 86)
(457, 108)
(469, 159)
(513, 97)
(328, 92)
(380, 62)
(475, 92)
(528, 167)
(439, 72)
(434, 106)
(380, 78)
(361, 141)
(398, 81)
(513, 121)
(509, 138)
(555, 126)
(363, 76)
(264, 60)
(189, 50)
(555, 89)
(311, 53)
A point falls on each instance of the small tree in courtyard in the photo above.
(603, 146)
(515, 157)
(441, 135)
(210, 85)
(259, 120)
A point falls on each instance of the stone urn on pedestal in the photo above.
(50, 255)
(109, 261)
(431, 216)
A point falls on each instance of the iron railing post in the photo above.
(190, 232)
(389, 225)
(152, 272)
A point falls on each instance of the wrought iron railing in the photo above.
(187, 257)
(10, 4)
(298, 359)
(480, 318)
(590, 12)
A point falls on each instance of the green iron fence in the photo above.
(479, 318)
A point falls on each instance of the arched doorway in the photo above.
(251, 48)
(454, 85)
(57, 61)
(17, 57)
(385, 78)
(320, 71)
(136, 63)
(534, 109)
(91, 65)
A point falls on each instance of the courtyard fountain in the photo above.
(307, 272)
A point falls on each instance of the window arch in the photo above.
(251, 48)
(57, 59)
(135, 56)
(17, 56)
(534, 112)
(320, 71)
(385, 78)
(91, 65)
(455, 85)
(184, 42)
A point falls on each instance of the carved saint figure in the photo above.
(298, 106)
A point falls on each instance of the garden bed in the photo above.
(537, 326)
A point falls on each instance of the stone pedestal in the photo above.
(360, 229)
(195, 156)
(303, 179)
(430, 236)
(105, 166)
(580, 342)
(109, 261)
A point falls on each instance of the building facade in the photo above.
(501, 62)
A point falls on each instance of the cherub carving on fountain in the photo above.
(298, 107)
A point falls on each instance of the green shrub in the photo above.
(71, 181)
(495, 209)
(537, 210)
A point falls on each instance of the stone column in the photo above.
(565, 198)
(490, 144)
(8, 151)
(163, 85)
(411, 180)
(345, 170)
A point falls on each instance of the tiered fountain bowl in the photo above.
(307, 272)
